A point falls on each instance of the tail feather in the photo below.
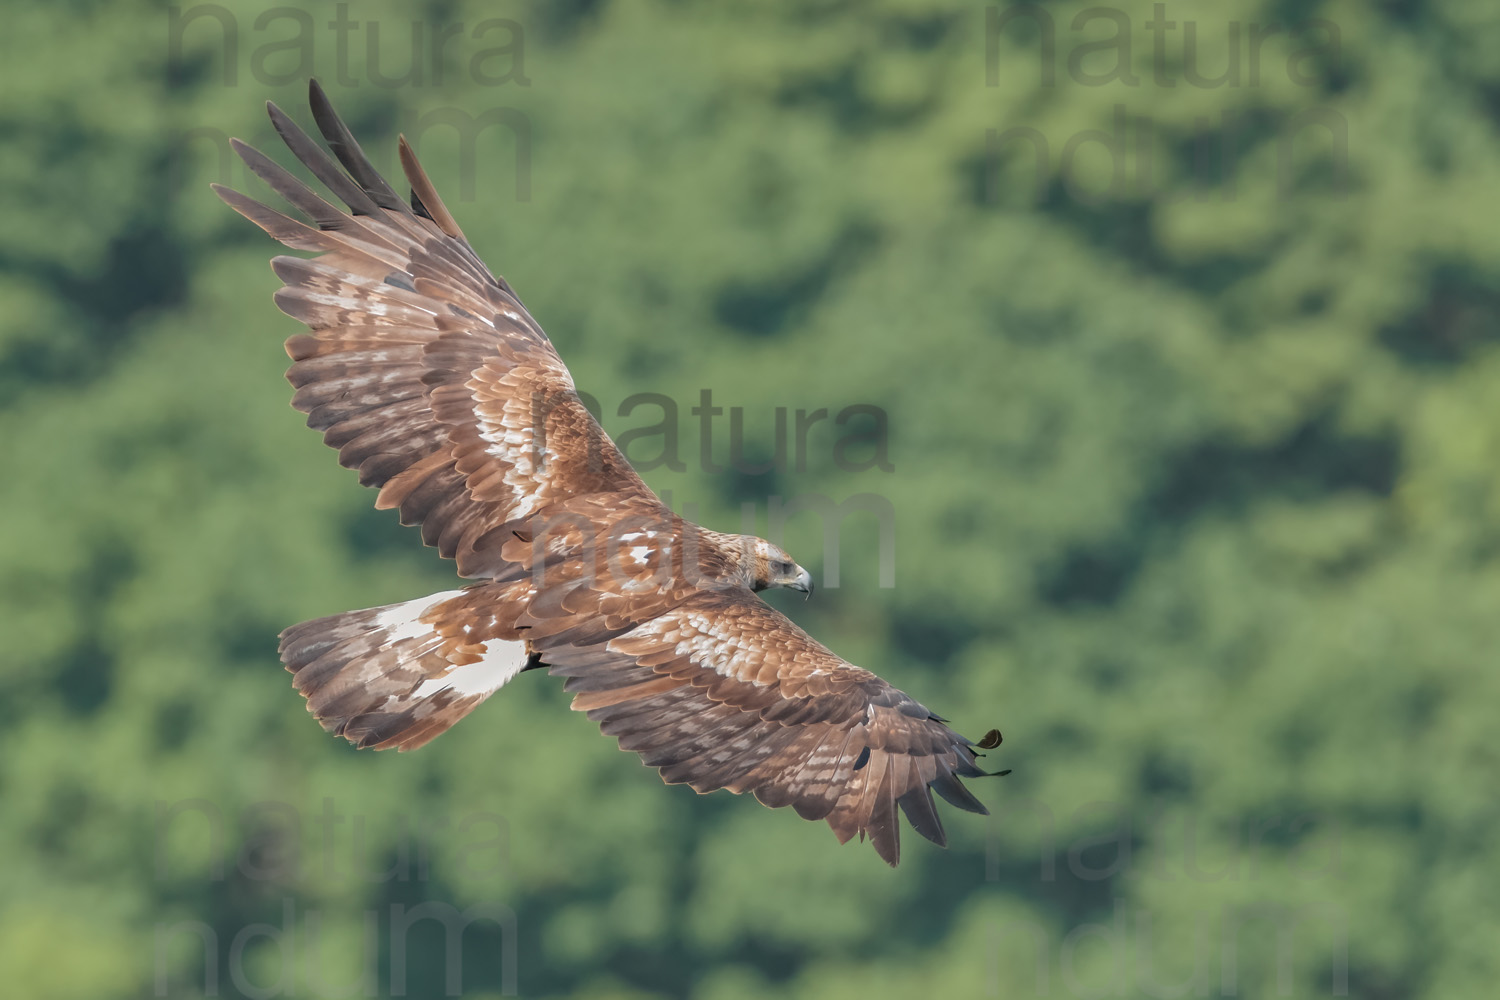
(399, 675)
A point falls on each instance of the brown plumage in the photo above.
(433, 381)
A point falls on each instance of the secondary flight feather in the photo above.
(432, 380)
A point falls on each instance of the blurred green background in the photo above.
(1195, 470)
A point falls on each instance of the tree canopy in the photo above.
(1168, 354)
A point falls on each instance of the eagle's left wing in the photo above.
(723, 691)
(422, 368)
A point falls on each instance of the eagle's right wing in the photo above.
(723, 691)
(424, 370)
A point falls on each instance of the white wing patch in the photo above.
(511, 442)
(697, 635)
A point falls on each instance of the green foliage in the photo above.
(1196, 482)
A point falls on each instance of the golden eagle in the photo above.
(429, 376)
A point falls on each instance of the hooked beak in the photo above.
(803, 582)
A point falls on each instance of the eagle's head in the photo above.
(770, 566)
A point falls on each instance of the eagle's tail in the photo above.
(399, 675)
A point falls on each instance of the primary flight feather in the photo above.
(433, 381)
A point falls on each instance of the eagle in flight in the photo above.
(429, 376)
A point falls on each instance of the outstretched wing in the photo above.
(723, 691)
(424, 370)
